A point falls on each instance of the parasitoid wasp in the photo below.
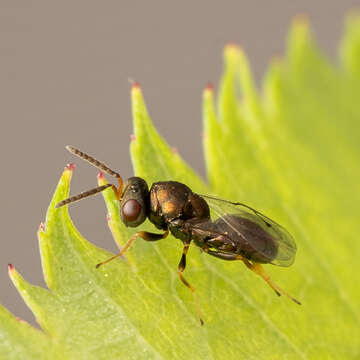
(224, 229)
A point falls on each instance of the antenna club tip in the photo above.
(70, 148)
(70, 167)
(97, 266)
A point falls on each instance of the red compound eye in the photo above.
(131, 210)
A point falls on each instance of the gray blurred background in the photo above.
(64, 69)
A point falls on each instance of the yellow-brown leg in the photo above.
(181, 268)
(258, 269)
(148, 236)
(118, 190)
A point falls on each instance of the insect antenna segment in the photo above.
(93, 161)
(82, 195)
(99, 165)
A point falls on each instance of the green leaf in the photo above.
(292, 152)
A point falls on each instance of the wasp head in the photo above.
(134, 202)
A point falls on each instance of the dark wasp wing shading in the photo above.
(258, 237)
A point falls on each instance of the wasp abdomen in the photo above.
(250, 239)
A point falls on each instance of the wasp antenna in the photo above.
(93, 161)
(82, 195)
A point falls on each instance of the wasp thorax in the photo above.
(134, 202)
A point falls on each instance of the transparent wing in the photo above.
(253, 229)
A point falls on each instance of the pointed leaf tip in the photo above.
(10, 269)
(300, 32)
(232, 47)
(301, 20)
(133, 83)
(136, 89)
(208, 91)
(70, 167)
(209, 86)
(101, 179)
(232, 52)
(67, 173)
(41, 227)
(138, 106)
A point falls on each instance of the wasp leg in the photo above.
(224, 255)
(148, 236)
(181, 268)
(258, 269)
(118, 190)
